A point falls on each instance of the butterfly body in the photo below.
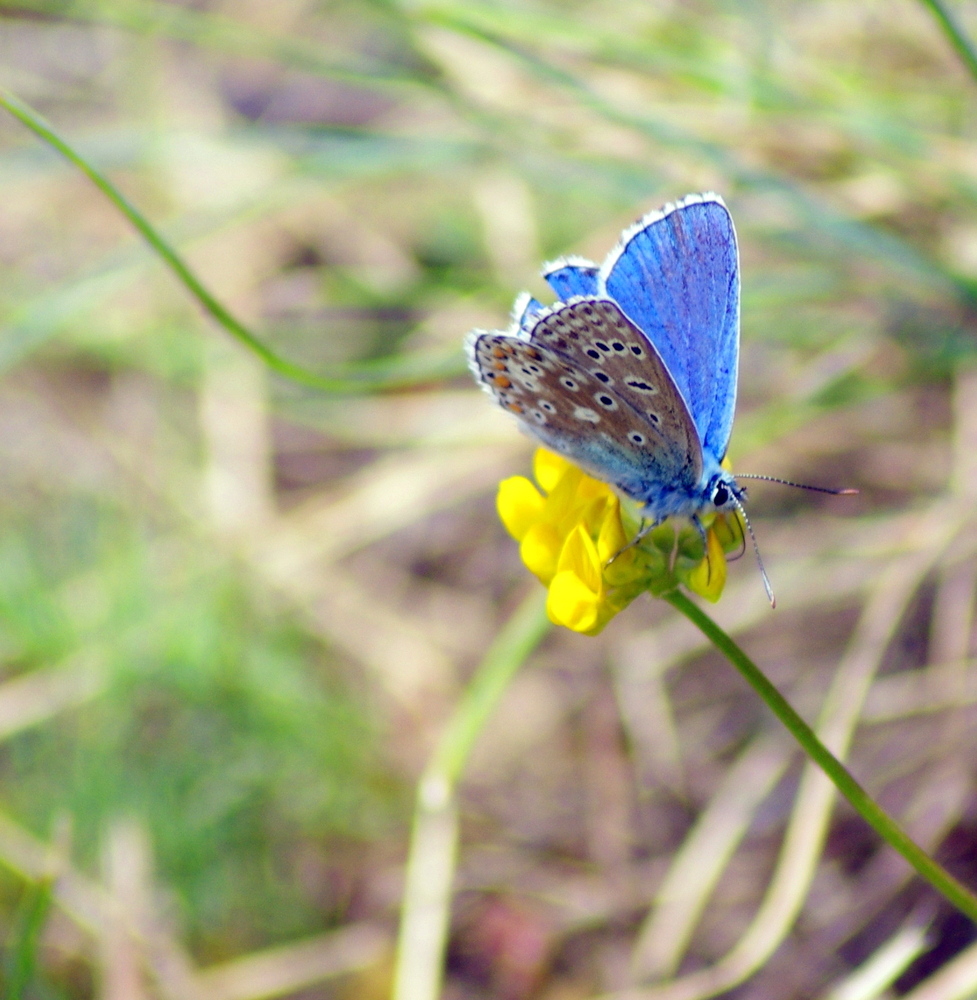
(633, 375)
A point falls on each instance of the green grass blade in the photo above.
(25, 939)
(816, 215)
(281, 366)
(954, 31)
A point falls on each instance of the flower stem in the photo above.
(426, 907)
(873, 814)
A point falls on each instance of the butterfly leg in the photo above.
(645, 526)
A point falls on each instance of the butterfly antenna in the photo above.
(799, 486)
(756, 550)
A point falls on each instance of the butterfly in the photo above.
(632, 375)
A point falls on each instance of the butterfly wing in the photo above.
(591, 387)
(570, 276)
(675, 274)
(524, 313)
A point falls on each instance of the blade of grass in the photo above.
(817, 215)
(382, 374)
(954, 31)
(426, 906)
(26, 936)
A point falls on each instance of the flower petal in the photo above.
(580, 556)
(549, 468)
(519, 504)
(570, 602)
(540, 550)
(730, 530)
(611, 539)
(709, 577)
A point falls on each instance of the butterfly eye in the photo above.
(720, 496)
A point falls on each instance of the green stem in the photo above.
(954, 31)
(883, 824)
(282, 366)
(520, 636)
(426, 907)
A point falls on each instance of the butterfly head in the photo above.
(724, 493)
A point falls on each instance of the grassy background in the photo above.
(234, 611)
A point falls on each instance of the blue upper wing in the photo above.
(675, 274)
(570, 276)
(524, 312)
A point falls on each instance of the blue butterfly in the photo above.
(632, 376)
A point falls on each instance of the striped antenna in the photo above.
(756, 550)
(799, 486)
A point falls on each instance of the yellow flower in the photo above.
(709, 576)
(575, 536)
(576, 593)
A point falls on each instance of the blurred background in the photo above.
(236, 611)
